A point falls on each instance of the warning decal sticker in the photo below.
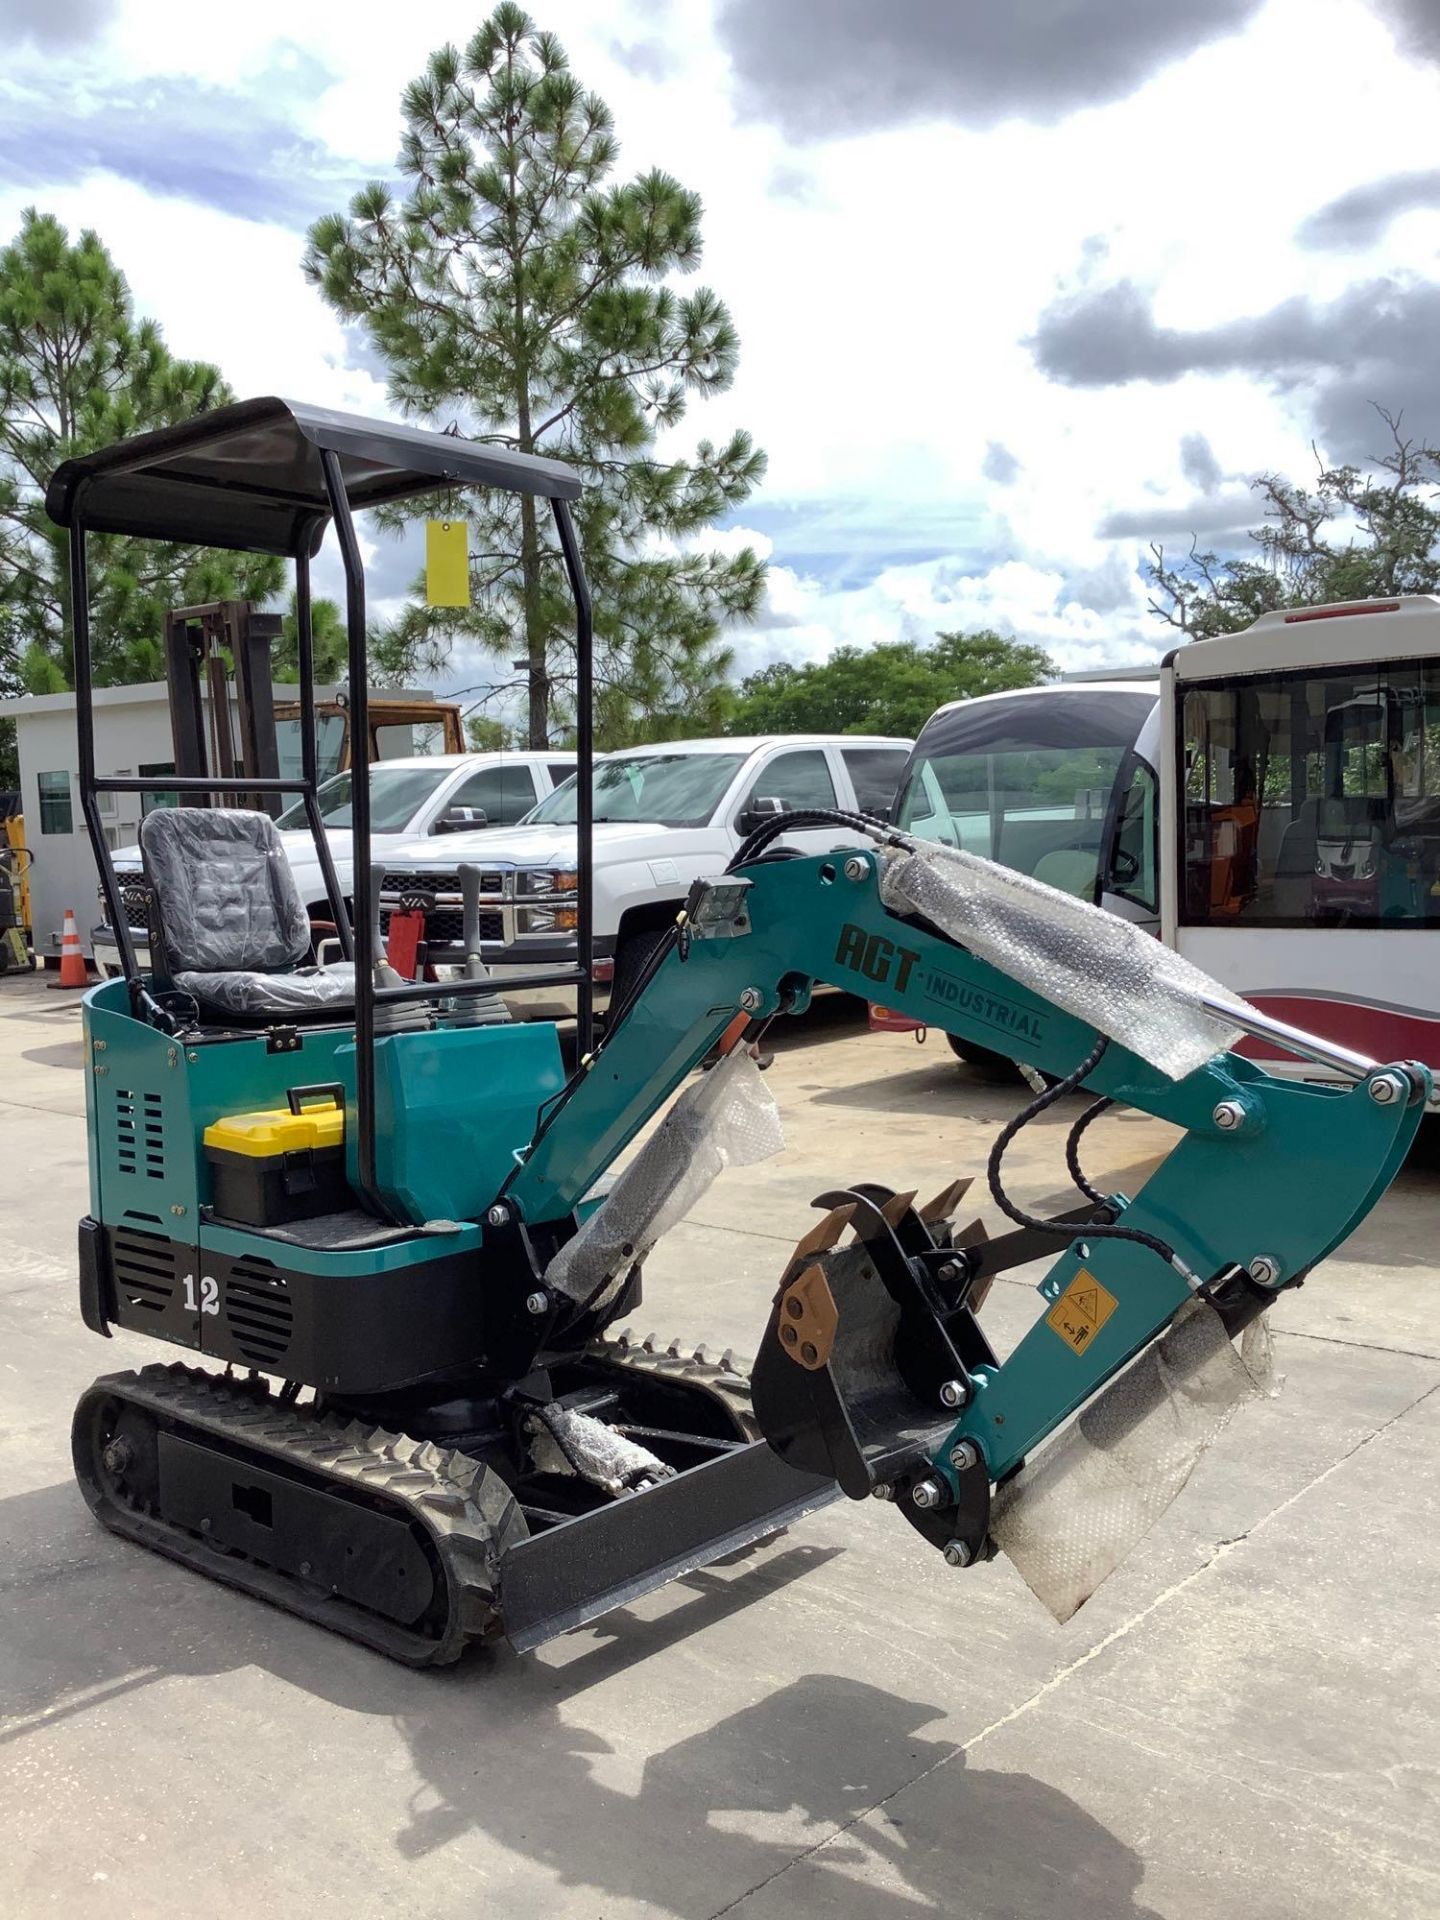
(1080, 1312)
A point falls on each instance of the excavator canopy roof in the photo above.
(248, 476)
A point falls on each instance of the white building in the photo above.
(132, 737)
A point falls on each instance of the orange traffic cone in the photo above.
(72, 961)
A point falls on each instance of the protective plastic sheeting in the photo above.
(1099, 968)
(223, 890)
(1072, 1514)
(727, 1119)
(303, 991)
(576, 1445)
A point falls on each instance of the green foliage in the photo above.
(78, 370)
(485, 734)
(1357, 536)
(892, 688)
(395, 658)
(519, 290)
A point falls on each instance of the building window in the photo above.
(55, 814)
(106, 801)
(156, 770)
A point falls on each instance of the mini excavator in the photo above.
(371, 1212)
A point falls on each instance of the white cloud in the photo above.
(883, 310)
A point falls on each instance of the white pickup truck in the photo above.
(665, 815)
(431, 795)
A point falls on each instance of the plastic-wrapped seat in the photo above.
(231, 929)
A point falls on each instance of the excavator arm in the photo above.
(874, 1367)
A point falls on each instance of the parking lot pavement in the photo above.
(1243, 1720)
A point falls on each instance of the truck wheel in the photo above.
(632, 957)
(992, 1066)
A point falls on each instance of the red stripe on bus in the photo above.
(1378, 1032)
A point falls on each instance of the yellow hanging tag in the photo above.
(447, 563)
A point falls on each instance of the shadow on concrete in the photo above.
(65, 1053)
(793, 1788)
(805, 1766)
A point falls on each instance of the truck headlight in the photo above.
(548, 880)
(547, 919)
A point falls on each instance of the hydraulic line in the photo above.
(1072, 1150)
(1066, 1230)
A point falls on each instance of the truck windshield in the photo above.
(662, 789)
(396, 796)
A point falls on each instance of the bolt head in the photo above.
(498, 1216)
(964, 1455)
(954, 1393)
(1265, 1270)
(537, 1302)
(117, 1456)
(928, 1494)
(957, 1554)
(856, 868)
(1228, 1116)
(751, 998)
(883, 1492)
(1386, 1089)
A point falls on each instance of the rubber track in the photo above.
(465, 1509)
(723, 1380)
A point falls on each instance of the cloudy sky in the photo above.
(1020, 288)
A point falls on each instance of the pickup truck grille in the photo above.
(135, 897)
(446, 926)
(431, 880)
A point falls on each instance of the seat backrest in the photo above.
(224, 897)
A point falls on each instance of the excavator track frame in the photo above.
(323, 1515)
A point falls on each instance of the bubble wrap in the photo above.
(578, 1446)
(727, 1119)
(1100, 968)
(1072, 1515)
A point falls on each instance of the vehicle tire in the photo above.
(632, 956)
(991, 1066)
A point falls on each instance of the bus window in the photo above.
(1313, 799)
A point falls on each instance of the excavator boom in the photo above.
(874, 1367)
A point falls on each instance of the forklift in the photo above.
(373, 1213)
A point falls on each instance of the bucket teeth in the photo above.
(944, 1203)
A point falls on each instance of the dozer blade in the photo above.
(415, 1549)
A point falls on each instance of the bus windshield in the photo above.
(1313, 798)
(1027, 782)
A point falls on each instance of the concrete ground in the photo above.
(1243, 1720)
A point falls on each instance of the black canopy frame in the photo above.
(269, 476)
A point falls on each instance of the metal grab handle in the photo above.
(470, 900)
(1308, 1046)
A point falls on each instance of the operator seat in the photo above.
(230, 928)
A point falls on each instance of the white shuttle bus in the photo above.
(1300, 805)
(1271, 809)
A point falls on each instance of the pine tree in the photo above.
(517, 290)
(77, 371)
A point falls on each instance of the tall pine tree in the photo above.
(78, 370)
(518, 290)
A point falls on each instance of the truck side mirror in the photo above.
(762, 808)
(461, 820)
